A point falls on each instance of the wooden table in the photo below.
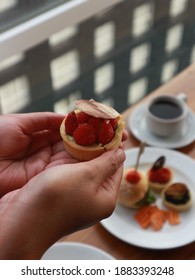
(101, 238)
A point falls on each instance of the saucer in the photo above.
(75, 251)
(138, 127)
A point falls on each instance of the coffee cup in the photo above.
(166, 115)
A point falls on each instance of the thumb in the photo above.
(107, 164)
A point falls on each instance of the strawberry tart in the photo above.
(91, 129)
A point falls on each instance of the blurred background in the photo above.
(117, 56)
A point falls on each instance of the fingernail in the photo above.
(120, 155)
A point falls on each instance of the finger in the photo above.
(43, 139)
(106, 198)
(34, 122)
(125, 135)
(105, 166)
(112, 184)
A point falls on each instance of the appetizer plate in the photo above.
(75, 251)
(137, 125)
(122, 223)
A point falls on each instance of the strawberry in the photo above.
(133, 177)
(71, 123)
(161, 175)
(82, 117)
(84, 134)
(114, 122)
(106, 132)
(86, 129)
(95, 122)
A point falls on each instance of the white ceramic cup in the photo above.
(168, 120)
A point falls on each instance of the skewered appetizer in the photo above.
(134, 191)
(91, 129)
(159, 176)
(177, 196)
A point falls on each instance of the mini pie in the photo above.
(91, 129)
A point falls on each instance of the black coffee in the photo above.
(165, 109)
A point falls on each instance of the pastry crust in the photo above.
(130, 194)
(84, 153)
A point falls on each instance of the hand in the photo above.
(30, 143)
(45, 193)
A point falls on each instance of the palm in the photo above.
(25, 153)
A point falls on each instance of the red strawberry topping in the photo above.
(106, 132)
(88, 130)
(161, 175)
(96, 123)
(114, 123)
(71, 123)
(133, 177)
(82, 117)
(84, 134)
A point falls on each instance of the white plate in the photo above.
(75, 251)
(122, 224)
(137, 125)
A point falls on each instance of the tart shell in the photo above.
(85, 153)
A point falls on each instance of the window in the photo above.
(174, 37)
(137, 90)
(65, 69)
(169, 69)
(178, 7)
(142, 19)
(104, 77)
(14, 95)
(139, 57)
(104, 38)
